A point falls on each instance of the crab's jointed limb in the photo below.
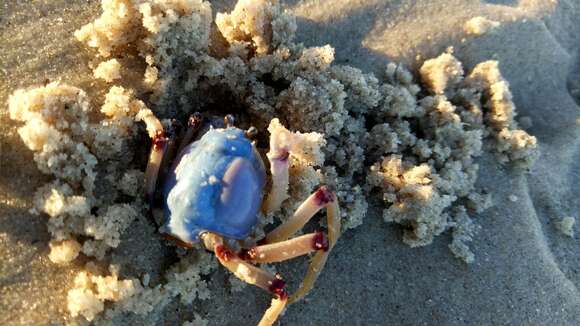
(194, 124)
(163, 148)
(281, 142)
(279, 170)
(284, 250)
(322, 198)
(250, 274)
(159, 142)
(271, 315)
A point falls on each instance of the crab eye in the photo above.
(241, 195)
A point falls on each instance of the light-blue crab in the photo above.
(214, 189)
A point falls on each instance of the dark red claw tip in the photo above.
(320, 241)
(223, 253)
(323, 196)
(277, 287)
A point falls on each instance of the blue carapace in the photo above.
(216, 185)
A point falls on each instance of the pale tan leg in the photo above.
(284, 250)
(158, 148)
(319, 260)
(279, 171)
(271, 315)
(316, 265)
(278, 156)
(250, 274)
(321, 198)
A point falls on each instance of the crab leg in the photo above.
(316, 265)
(194, 123)
(319, 260)
(284, 250)
(158, 149)
(279, 170)
(321, 198)
(250, 274)
(271, 315)
(278, 156)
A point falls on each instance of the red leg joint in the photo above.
(247, 254)
(323, 196)
(223, 253)
(320, 242)
(159, 140)
(278, 288)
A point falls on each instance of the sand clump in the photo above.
(108, 70)
(431, 189)
(359, 133)
(512, 144)
(62, 252)
(478, 26)
(85, 157)
(255, 26)
(91, 291)
(93, 288)
(566, 226)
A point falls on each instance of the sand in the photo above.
(525, 270)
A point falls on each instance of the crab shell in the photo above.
(216, 185)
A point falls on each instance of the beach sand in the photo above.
(525, 269)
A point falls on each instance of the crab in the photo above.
(212, 194)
